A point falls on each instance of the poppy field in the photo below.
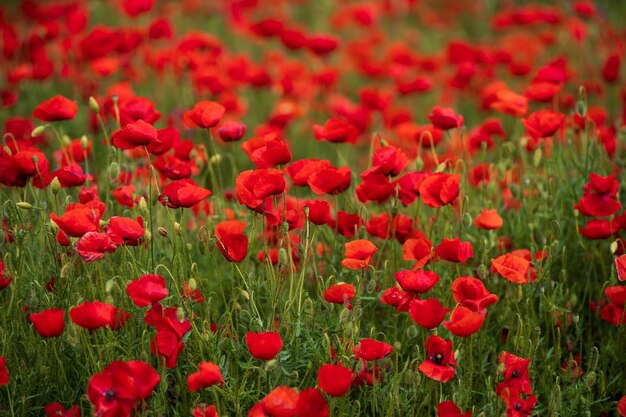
(298, 208)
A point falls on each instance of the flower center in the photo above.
(109, 395)
(438, 358)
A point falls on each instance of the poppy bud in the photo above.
(614, 246)
(215, 159)
(180, 314)
(93, 105)
(188, 246)
(192, 284)
(270, 365)
(38, 131)
(162, 231)
(344, 315)
(113, 171)
(590, 379)
(467, 220)
(147, 235)
(245, 294)
(397, 345)
(67, 141)
(55, 185)
(143, 207)
(371, 286)
(537, 157)
(419, 163)
(482, 271)
(84, 142)
(178, 229)
(65, 270)
(108, 287)
(285, 227)
(306, 212)
(24, 205)
(411, 332)
(282, 256)
(581, 108)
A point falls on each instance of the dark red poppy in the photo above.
(311, 403)
(439, 364)
(208, 375)
(133, 109)
(231, 131)
(135, 134)
(611, 68)
(336, 130)
(49, 323)
(203, 410)
(55, 109)
(121, 387)
(453, 250)
(358, 254)
(515, 373)
(334, 380)
(265, 345)
(4, 374)
(147, 290)
(408, 186)
(5, 278)
(620, 266)
(445, 118)
(183, 193)
(93, 315)
(450, 409)
(516, 405)
(57, 410)
(205, 114)
(370, 349)
(92, 246)
(427, 313)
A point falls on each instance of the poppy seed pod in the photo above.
(93, 105)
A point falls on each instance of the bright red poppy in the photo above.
(264, 345)
(208, 374)
(49, 323)
(334, 380)
(439, 364)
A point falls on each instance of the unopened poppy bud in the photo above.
(419, 163)
(84, 142)
(397, 345)
(245, 294)
(284, 227)
(215, 159)
(581, 108)
(162, 231)
(271, 365)
(188, 246)
(113, 171)
(38, 131)
(180, 314)
(467, 220)
(108, 287)
(456, 355)
(519, 293)
(383, 143)
(371, 286)
(66, 140)
(178, 229)
(109, 299)
(54, 228)
(590, 379)
(147, 235)
(306, 211)
(344, 316)
(24, 205)
(613, 246)
(411, 332)
(282, 256)
(441, 167)
(574, 300)
(93, 105)
(102, 223)
(482, 272)
(143, 206)
(55, 185)
(199, 162)
(537, 157)
(192, 284)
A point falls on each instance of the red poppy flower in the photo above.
(375, 187)
(92, 246)
(450, 409)
(621, 406)
(231, 131)
(370, 349)
(508, 102)
(336, 130)
(147, 290)
(418, 250)
(334, 380)
(453, 250)
(600, 198)
(135, 134)
(168, 341)
(5, 280)
(488, 220)
(121, 387)
(465, 322)
(340, 294)
(311, 403)
(205, 114)
(322, 44)
(347, 224)
(55, 109)
(358, 254)
(208, 374)
(620, 266)
(134, 8)
(133, 109)
(418, 281)
(70, 176)
(445, 118)
(253, 187)
(49, 323)
(265, 345)
(439, 189)
(512, 267)
(183, 193)
(409, 184)
(516, 405)
(427, 313)
(401, 300)
(611, 68)
(471, 293)
(515, 374)
(439, 361)
(387, 160)
(125, 230)
(330, 180)
(93, 315)
(232, 243)
(281, 402)
(77, 221)
(57, 410)
(267, 151)
(4, 374)
(318, 212)
(300, 170)
(543, 123)
(203, 410)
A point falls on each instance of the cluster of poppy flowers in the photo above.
(431, 165)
